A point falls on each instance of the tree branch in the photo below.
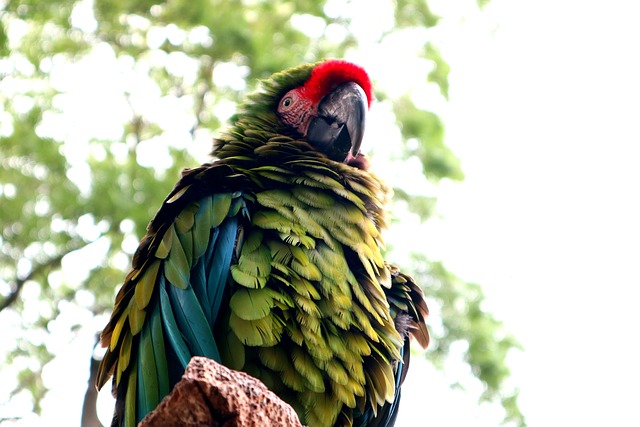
(17, 284)
(89, 411)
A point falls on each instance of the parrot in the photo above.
(269, 260)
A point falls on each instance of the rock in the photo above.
(210, 394)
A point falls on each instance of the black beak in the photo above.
(339, 126)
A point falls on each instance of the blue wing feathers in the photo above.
(190, 313)
(192, 322)
(220, 262)
(180, 323)
(199, 284)
(207, 266)
(174, 337)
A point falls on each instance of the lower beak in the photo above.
(339, 126)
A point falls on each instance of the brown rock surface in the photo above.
(210, 394)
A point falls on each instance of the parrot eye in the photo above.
(286, 103)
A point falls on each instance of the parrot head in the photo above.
(324, 104)
(329, 109)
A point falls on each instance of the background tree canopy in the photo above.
(105, 101)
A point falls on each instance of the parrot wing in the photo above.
(409, 312)
(167, 308)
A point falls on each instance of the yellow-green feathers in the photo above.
(308, 301)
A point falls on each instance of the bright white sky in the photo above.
(544, 115)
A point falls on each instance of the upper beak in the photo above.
(339, 125)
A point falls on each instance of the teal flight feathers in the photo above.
(269, 260)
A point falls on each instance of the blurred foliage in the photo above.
(66, 186)
(440, 73)
(463, 320)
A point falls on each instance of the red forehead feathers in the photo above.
(330, 74)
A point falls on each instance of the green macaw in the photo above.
(268, 260)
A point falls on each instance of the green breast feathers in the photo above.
(308, 291)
